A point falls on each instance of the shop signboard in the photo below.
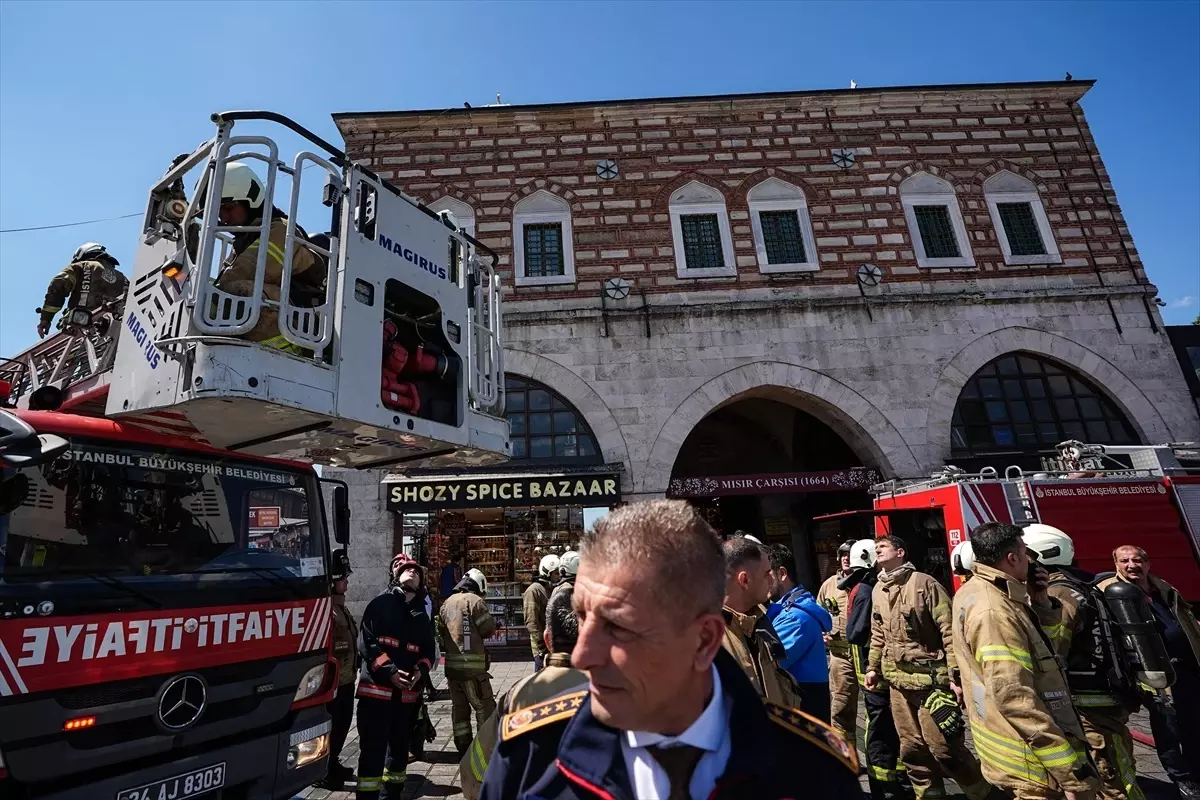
(503, 491)
(264, 517)
(838, 480)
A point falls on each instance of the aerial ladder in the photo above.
(396, 359)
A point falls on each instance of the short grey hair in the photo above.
(671, 541)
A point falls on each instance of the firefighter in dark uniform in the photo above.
(395, 643)
(345, 650)
(88, 282)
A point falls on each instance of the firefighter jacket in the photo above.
(395, 635)
(859, 586)
(345, 641)
(467, 622)
(911, 640)
(836, 601)
(83, 284)
(1073, 624)
(1024, 726)
(1179, 607)
(241, 265)
(558, 750)
(534, 601)
(556, 678)
(755, 646)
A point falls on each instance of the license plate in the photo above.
(188, 784)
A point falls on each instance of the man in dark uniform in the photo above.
(345, 650)
(88, 282)
(396, 645)
(667, 713)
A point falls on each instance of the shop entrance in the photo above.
(770, 469)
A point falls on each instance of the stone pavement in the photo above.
(437, 775)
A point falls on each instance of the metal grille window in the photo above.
(702, 241)
(781, 235)
(1023, 403)
(1021, 228)
(937, 232)
(545, 427)
(543, 250)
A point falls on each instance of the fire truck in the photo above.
(165, 541)
(1102, 496)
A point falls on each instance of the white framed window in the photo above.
(783, 235)
(935, 222)
(543, 244)
(1020, 219)
(463, 214)
(700, 230)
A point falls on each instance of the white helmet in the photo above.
(89, 251)
(479, 578)
(242, 185)
(962, 558)
(1053, 546)
(754, 539)
(862, 553)
(549, 564)
(569, 564)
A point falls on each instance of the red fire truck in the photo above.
(1102, 496)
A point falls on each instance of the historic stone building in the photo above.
(774, 285)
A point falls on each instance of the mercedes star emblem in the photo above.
(182, 701)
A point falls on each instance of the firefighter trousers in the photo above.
(467, 695)
(383, 730)
(843, 697)
(1108, 738)
(928, 755)
(341, 713)
(885, 773)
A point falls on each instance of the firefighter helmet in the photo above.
(962, 558)
(242, 186)
(845, 548)
(548, 564)
(91, 251)
(1053, 546)
(341, 566)
(479, 578)
(568, 564)
(401, 562)
(862, 554)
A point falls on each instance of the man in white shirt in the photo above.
(667, 714)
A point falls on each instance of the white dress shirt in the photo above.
(710, 733)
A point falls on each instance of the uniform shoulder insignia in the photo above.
(556, 709)
(814, 731)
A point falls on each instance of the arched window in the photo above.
(700, 232)
(1020, 219)
(1022, 403)
(783, 235)
(543, 244)
(935, 222)
(546, 429)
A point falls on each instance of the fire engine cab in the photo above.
(393, 355)
(1102, 496)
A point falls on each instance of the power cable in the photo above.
(69, 224)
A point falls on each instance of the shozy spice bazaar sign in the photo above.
(433, 494)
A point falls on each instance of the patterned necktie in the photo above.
(679, 763)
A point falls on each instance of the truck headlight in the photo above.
(307, 752)
(311, 683)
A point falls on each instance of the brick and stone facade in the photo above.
(881, 364)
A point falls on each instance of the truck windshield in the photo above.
(115, 509)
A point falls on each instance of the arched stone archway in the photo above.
(585, 399)
(865, 428)
(1141, 413)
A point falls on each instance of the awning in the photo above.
(590, 488)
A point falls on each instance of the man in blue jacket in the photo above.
(801, 624)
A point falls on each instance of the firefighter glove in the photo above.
(947, 715)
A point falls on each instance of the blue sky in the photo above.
(97, 97)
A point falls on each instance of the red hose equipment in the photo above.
(400, 396)
(424, 363)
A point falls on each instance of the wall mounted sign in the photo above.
(588, 489)
(840, 480)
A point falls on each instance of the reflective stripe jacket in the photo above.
(1025, 729)
(753, 643)
(534, 603)
(911, 637)
(88, 284)
(467, 622)
(394, 635)
(837, 602)
(556, 678)
(558, 750)
(240, 267)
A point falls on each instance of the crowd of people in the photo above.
(669, 664)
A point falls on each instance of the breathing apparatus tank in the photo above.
(1133, 619)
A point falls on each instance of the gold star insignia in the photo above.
(576, 702)
(560, 706)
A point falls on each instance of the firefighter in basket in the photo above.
(89, 283)
(467, 622)
(395, 642)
